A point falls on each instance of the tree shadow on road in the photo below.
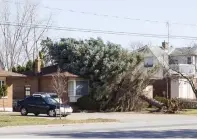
(184, 133)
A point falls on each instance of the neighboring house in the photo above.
(39, 80)
(7, 78)
(183, 60)
(167, 82)
(157, 56)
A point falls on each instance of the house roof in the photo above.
(184, 51)
(4, 73)
(49, 71)
(160, 53)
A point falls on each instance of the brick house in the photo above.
(40, 80)
(8, 78)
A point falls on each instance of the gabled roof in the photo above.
(157, 51)
(49, 71)
(184, 51)
(4, 73)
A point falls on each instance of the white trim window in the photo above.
(189, 60)
(71, 88)
(77, 88)
(148, 62)
(2, 83)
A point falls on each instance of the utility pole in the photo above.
(167, 86)
(168, 27)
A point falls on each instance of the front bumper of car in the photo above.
(64, 111)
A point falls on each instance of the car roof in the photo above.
(49, 93)
(41, 95)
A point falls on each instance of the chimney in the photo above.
(165, 45)
(37, 66)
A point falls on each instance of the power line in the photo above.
(100, 31)
(112, 16)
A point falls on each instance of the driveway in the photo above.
(130, 126)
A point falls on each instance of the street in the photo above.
(130, 126)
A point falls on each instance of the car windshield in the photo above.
(50, 100)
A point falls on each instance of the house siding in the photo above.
(183, 59)
(19, 86)
(46, 84)
(7, 102)
(159, 73)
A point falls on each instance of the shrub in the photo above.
(188, 104)
(87, 103)
(162, 100)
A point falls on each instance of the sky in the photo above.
(176, 12)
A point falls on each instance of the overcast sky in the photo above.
(174, 11)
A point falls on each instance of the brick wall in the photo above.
(46, 84)
(19, 86)
(7, 101)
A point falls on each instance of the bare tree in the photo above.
(20, 35)
(60, 83)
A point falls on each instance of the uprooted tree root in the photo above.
(171, 105)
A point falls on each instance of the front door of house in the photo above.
(27, 90)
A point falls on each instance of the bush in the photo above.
(87, 103)
(188, 104)
(162, 100)
(177, 103)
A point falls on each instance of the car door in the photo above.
(30, 104)
(41, 106)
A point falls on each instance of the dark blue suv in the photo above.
(42, 104)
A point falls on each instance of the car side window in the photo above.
(39, 100)
(30, 100)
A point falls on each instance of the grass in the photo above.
(11, 120)
(189, 112)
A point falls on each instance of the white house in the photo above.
(157, 56)
(171, 61)
(183, 60)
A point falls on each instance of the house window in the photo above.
(27, 91)
(173, 61)
(77, 88)
(189, 60)
(148, 62)
(71, 88)
(2, 83)
(81, 88)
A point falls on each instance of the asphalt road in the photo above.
(130, 126)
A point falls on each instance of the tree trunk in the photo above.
(152, 101)
(3, 102)
(60, 108)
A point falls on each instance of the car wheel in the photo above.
(52, 113)
(64, 115)
(36, 114)
(24, 112)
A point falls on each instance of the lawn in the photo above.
(189, 112)
(14, 120)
